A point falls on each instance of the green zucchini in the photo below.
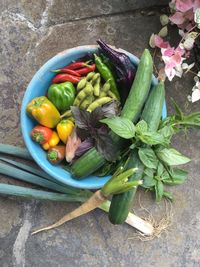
(140, 88)
(84, 166)
(121, 203)
(91, 159)
(153, 108)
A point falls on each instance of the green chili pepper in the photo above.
(107, 75)
(62, 95)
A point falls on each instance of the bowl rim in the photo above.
(42, 70)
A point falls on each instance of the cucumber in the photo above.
(121, 203)
(153, 108)
(140, 88)
(91, 158)
(84, 166)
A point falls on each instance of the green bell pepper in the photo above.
(62, 95)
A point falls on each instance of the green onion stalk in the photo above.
(117, 184)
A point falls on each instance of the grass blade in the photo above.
(33, 179)
(15, 151)
(13, 190)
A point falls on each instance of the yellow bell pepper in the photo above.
(53, 141)
(45, 113)
(64, 129)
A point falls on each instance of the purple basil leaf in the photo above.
(105, 145)
(84, 147)
(111, 109)
(82, 117)
(108, 110)
(82, 133)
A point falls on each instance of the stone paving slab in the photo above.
(26, 42)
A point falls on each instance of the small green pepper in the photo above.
(107, 75)
(62, 95)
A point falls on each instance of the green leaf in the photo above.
(167, 132)
(197, 16)
(148, 182)
(148, 157)
(152, 138)
(160, 169)
(179, 112)
(149, 172)
(141, 127)
(159, 188)
(121, 126)
(191, 120)
(132, 146)
(178, 177)
(172, 157)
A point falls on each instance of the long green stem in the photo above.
(31, 178)
(15, 151)
(28, 168)
(19, 191)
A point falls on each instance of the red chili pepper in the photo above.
(75, 65)
(41, 134)
(64, 77)
(86, 69)
(63, 70)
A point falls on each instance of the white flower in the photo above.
(195, 95)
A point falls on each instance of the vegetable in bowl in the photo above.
(43, 80)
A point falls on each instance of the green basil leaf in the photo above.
(178, 177)
(141, 127)
(172, 157)
(167, 132)
(149, 172)
(148, 182)
(121, 126)
(160, 169)
(152, 138)
(148, 157)
(159, 188)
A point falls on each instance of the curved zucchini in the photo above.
(121, 203)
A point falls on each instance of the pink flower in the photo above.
(184, 5)
(172, 59)
(159, 42)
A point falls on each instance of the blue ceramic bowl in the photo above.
(38, 87)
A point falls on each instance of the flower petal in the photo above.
(177, 18)
(184, 5)
(195, 95)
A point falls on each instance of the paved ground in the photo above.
(31, 32)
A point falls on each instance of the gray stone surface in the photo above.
(31, 32)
